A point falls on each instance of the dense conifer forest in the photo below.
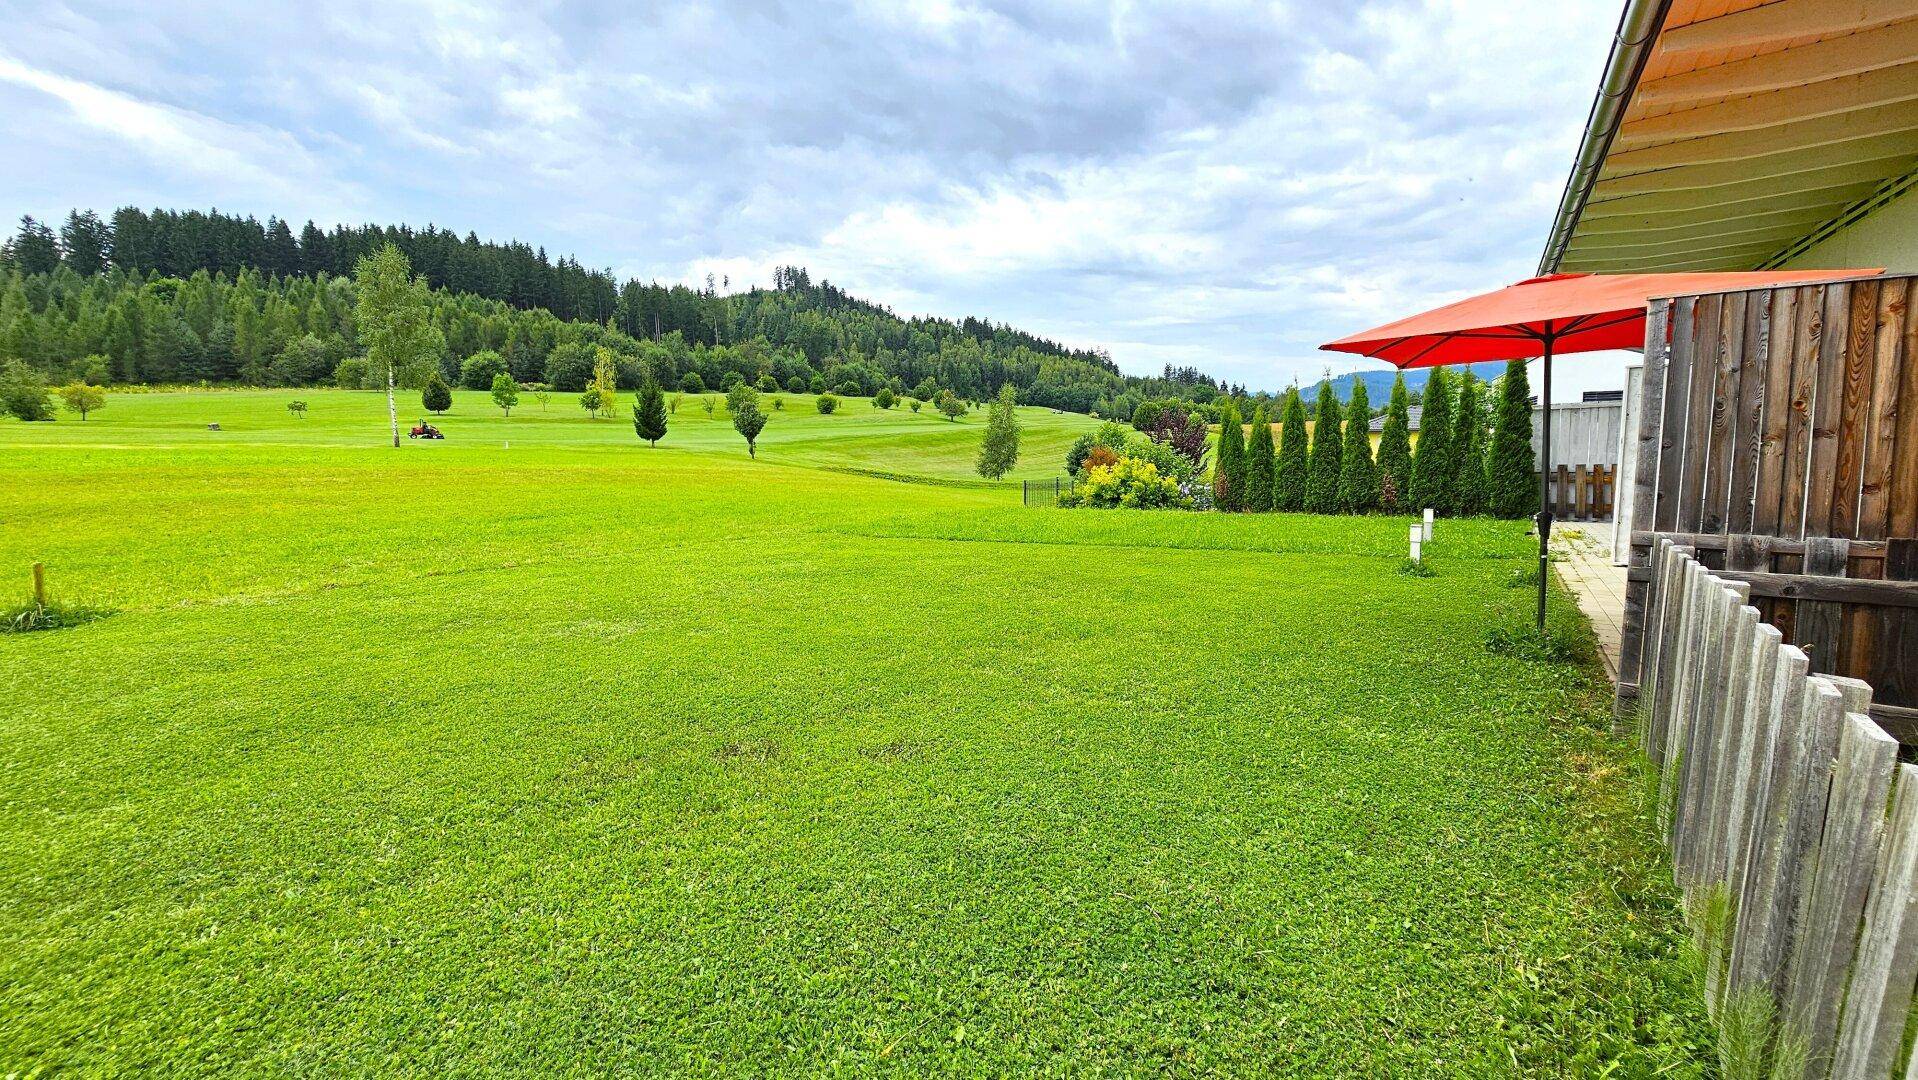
(172, 297)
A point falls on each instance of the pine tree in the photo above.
(434, 396)
(1228, 471)
(1288, 473)
(1259, 463)
(1395, 449)
(1322, 472)
(999, 450)
(1432, 460)
(1511, 483)
(649, 416)
(1358, 473)
(1468, 443)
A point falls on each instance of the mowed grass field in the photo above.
(577, 757)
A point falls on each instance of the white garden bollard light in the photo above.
(1417, 536)
(1428, 524)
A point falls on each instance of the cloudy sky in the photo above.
(1220, 184)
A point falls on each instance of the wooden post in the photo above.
(40, 584)
(1886, 966)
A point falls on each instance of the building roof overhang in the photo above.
(1733, 134)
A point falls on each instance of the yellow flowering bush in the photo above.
(1127, 482)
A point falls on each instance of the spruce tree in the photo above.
(1259, 463)
(1395, 449)
(1511, 486)
(1228, 471)
(649, 416)
(1432, 461)
(1322, 472)
(1358, 473)
(1288, 473)
(434, 396)
(1468, 442)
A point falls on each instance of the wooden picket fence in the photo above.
(1792, 826)
(1582, 492)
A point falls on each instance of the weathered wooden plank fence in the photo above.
(1581, 492)
(1793, 829)
(1778, 437)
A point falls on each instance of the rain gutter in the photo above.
(1631, 46)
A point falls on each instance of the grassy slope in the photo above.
(566, 759)
(857, 436)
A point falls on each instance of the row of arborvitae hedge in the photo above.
(1474, 453)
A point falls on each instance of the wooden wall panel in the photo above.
(1790, 414)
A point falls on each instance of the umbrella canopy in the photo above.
(1573, 312)
(1541, 316)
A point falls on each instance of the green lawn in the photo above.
(577, 757)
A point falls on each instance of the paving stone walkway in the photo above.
(1587, 570)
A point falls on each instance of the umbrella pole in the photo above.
(1544, 518)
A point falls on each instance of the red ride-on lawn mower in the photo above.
(424, 430)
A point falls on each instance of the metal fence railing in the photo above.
(1045, 492)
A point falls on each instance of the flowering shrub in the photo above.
(1127, 482)
(1100, 457)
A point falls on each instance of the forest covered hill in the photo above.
(169, 296)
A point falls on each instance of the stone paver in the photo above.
(1587, 570)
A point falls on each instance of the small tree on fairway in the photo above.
(884, 399)
(544, 397)
(393, 319)
(1259, 463)
(1228, 469)
(1289, 469)
(999, 451)
(435, 397)
(1432, 461)
(297, 408)
(1328, 452)
(677, 399)
(748, 420)
(916, 404)
(1467, 496)
(1511, 488)
(589, 400)
(826, 404)
(505, 392)
(606, 378)
(950, 404)
(707, 402)
(1358, 473)
(1395, 449)
(691, 383)
(83, 398)
(649, 415)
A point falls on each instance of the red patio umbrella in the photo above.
(1541, 316)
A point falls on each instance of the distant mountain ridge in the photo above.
(1378, 384)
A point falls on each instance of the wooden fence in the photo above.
(1792, 826)
(1582, 492)
(1790, 415)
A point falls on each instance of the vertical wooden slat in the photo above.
(1698, 419)
(1886, 968)
(1893, 671)
(1766, 899)
(1728, 365)
(1827, 930)
(1881, 410)
(1828, 401)
(1801, 815)
(1808, 335)
(1775, 412)
(1819, 623)
(1674, 412)
(1561, 481)
(1651, 414)
(1854, 416)
(1903, 508)
(1748, 437)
